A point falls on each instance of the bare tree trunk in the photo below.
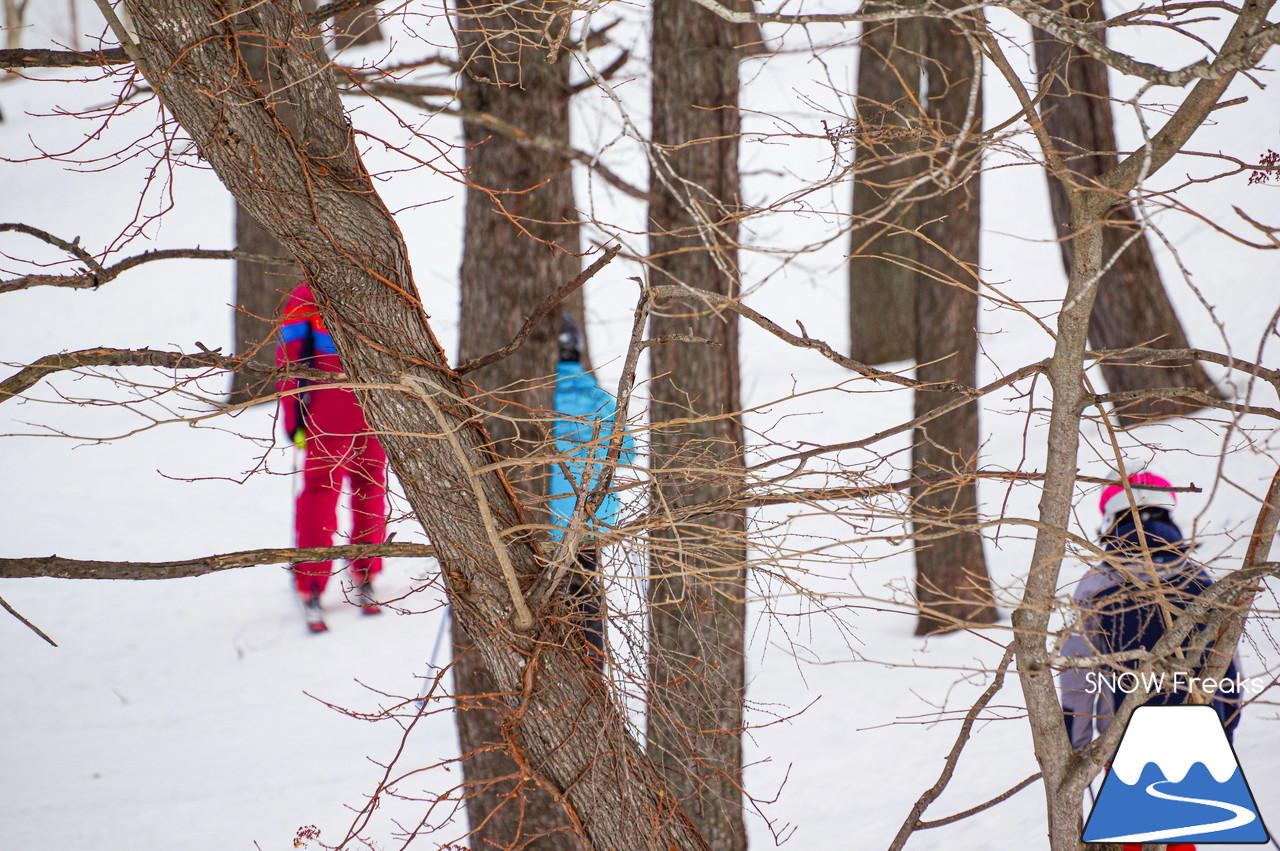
(952, 585)
(260, 289)
(697, 581)
(356, 27)
(520, 241)
(15, 22)
(1132, 307)
(296, 169)
(73, 17)
(883, 254)
(1066, 773)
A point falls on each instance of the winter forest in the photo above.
(763, 391)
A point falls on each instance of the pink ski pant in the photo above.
(340, 450)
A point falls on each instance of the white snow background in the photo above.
(195, 713)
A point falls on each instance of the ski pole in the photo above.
(435, 654)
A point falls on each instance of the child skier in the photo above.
(1127, 602)
(586, 422)
(329, 426)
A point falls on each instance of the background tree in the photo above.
(357, 27)
(913, 283)
(297, 170)
(883, 265)
(697, 582)
(15, 21)
(952, 584)
(260, 287)
(1133, 308)
(520, 241)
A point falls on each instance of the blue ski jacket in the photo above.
(1123, 605)
(586, 421)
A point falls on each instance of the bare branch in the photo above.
(1140, 356)
(337, 7)
(29, 376)
(931, 794)
(43, 58)
(1239, 55)
(73, 247)
(415, 95)
(717, 301)
(11, 610)
(69, 568)
(973, 811)
(1242, 48)
(757, 498)
(99, 275)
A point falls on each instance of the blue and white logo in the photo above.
(1175, 777)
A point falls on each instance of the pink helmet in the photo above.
(1114, 502)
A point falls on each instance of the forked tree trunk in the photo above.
(1132, 307)
(952, 585)
(297, 170)
(697, 580)
(520, 241)
(884, 248)
(260, 288)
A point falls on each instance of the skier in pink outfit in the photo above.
(328, 423)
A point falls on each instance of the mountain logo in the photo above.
(1175, 776)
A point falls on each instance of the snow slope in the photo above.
(197, 714)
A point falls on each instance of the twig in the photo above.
(1003, 796)
(337, 7)
(1224, 646)
(804, 342)
(122, 34)
(30, 625)
(912, 822)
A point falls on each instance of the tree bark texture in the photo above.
(520, 240)
(697, 579)
(522, 228)
(296, 169)
(1132, 306)
(884, 246)
(952, 585)
(260, 289)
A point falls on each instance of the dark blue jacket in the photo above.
(1123, 605)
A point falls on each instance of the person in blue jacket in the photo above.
(584, 428)
(1125, 604)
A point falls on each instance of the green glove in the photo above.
(300, 438)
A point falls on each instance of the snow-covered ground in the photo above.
(197, 714)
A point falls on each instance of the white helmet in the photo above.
(1115, 501)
